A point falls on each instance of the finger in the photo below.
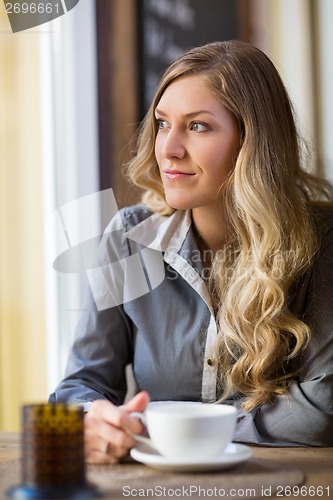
(119, 417)
(138, 402)
(103, 417)
(98, 447)
(102, 452)
(104, 432)
(93, 443)
(117, 452)
(97, 457)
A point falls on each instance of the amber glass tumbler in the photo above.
(53, 453)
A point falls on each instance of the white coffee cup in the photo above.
(189, 430)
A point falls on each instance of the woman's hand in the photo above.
(106, 428)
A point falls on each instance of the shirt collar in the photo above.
(163, 233)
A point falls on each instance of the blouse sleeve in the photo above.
(103, 344)
(305, 415)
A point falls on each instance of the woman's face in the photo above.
(196, 143)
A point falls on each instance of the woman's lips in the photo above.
(174, 175)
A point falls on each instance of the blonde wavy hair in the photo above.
(267, 199)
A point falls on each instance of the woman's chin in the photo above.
(179, 204)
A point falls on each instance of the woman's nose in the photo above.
(173, 146)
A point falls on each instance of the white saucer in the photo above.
(234, 454)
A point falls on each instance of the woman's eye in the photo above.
(199, 127)
(161, 123)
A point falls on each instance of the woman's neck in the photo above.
(210, 227)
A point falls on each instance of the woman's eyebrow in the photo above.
(186, 115)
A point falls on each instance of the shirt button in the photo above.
(210, 361)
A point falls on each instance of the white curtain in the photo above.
(70, 159)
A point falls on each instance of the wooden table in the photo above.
(315, 463)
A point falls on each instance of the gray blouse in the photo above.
(148, 305)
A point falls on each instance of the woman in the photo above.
(244, 312)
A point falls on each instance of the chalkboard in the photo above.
(170, 27)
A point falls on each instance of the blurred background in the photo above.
(72, 93)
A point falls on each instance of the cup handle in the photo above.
(141, 439)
